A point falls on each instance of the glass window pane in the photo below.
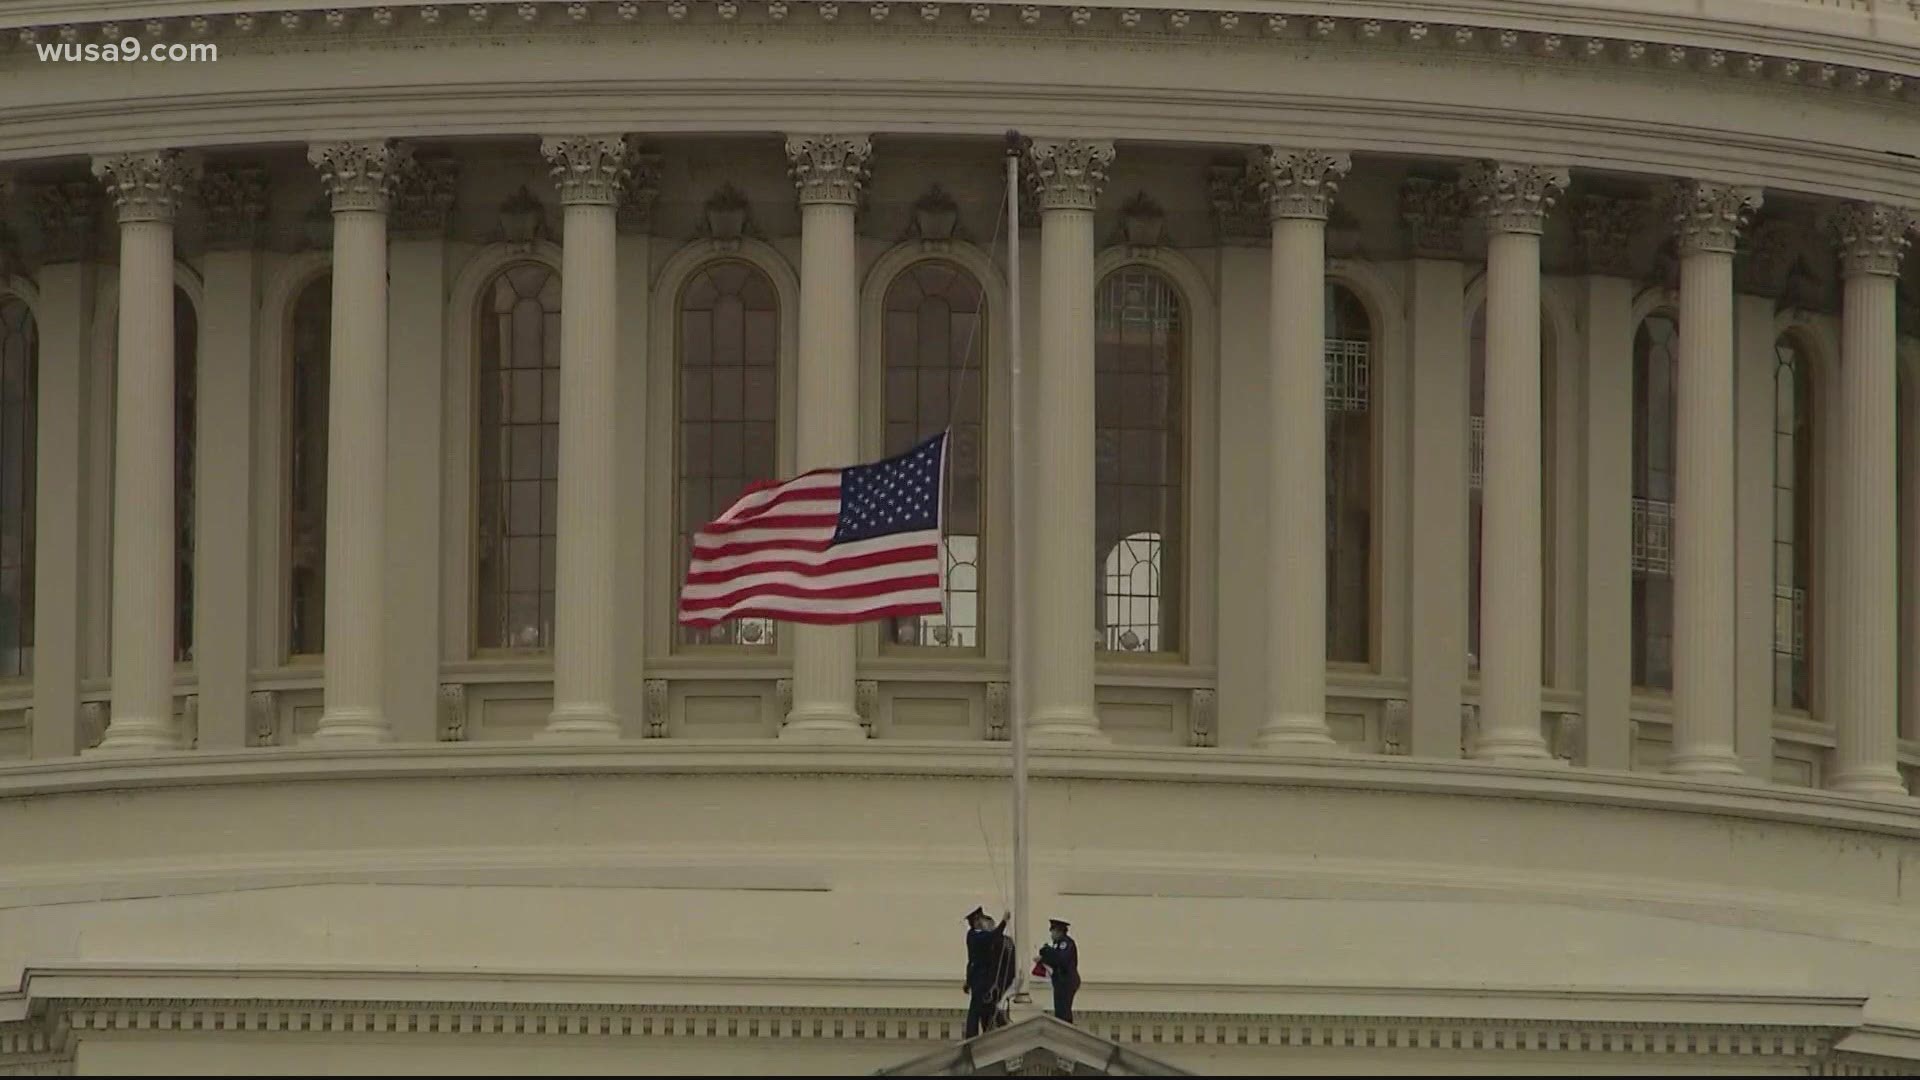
(306, 448)
(1349, 362)
(186, 355)
(19, 358)
(1139, 436)
(1655, 354)
(518, 437)
(727, 368)
(1793, 481)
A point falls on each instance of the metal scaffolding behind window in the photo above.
(729, 399)
(1349, 358)
(19, 400)
(1655, 355)
(1140, 452)
(933, 343)
(519, 458)
(1793, 479)
(306, 475)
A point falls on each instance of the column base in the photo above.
(350, 727)
(1298, 733)
(135, 736)
(1870, 781)
(1066, 731)
(581, 723)
(823, 725)
(1714, 763)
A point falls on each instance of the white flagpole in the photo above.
(1017, 703)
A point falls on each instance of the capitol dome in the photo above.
(1468, 534)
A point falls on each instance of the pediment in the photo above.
(1038, 1046)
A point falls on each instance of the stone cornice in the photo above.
(1883, 60)
(60, 1005)
(1642, 791)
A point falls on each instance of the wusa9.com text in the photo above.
(129, 49)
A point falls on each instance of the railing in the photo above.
(1653, 537)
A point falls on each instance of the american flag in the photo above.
(829, 546)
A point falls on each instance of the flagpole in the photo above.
(1017, 703)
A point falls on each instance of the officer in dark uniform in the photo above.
(987, 966)
(1062, 960)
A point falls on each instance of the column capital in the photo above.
(146, 186)
(1299, 183)
(1513, 198)
(1709, 216)
(635, 214)
(1872, 237)
(1605, 226)
(1432, 211)
(829, 168)
(423, 195)
(589, 170)
(67, 214)
(360, 174)
(235, 197)
(1068, 174)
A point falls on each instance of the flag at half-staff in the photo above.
(829, 546)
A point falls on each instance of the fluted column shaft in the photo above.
(1709, 217)
(146, 189)
(828, 169)
(1299, 186)
(1514, 200)
(359, 177)
(1067, 177)
(1872, 240)
(590, 172)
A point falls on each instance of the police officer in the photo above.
(986, 946)
(1062, 960)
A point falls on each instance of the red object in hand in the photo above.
(1039, 969)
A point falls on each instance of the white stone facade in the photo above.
(1472, 537)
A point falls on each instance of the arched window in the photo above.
(933, 342)
(19, 402)
(1655, 353)
(1140, 455)
(1349, 362)
(308, 362)
(186, 366)
(1476, 469)
(518, 466)
(1793, 480)
(728, 395)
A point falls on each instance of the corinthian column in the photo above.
(591, 172)
(1299, 186)
(1066, 176)
(1513, 199)
(146, 189)
(1871, 239)
(828, 170)
(1708, 218)
(359, 176)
